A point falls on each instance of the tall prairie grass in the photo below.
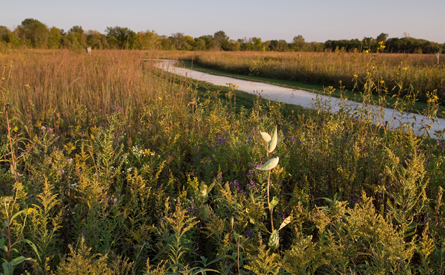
(400, 72)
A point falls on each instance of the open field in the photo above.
(112, 166)
(392, 74)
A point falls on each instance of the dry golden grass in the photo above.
(54, 85)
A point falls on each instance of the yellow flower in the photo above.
(404, 68)
(160, 98)
(26, 85)
(3, 78)
(15, 129)
(382, 81)
(355, 76)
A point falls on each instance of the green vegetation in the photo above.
(112, 166)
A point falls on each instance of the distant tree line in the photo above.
(32, 33)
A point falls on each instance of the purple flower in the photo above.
(115, 200)
(249, 138)
(63, 171)
(43, 128)
(419, 150)
(292, 139)
(49, 129)
(248, 233)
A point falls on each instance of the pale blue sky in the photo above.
(316, 20)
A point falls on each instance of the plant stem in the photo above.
(9, 136)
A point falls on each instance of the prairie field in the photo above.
(395, 74)
(110, 165)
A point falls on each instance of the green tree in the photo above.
(221, 40)
(120, 38)
(258, 44)
(4, 34)
(182, 42)
(382, 37)
(96, 40)
(200, 44)
(298, 43)
(34, 33)
(209, 43)
(147, 40)
(77, 37)
(55, 37)
(278, 45)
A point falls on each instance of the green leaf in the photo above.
(274, 240)
(34, 247)
(8, 268)
(285, 222)
(19, 260)
(270, 164)
(204, 270)
(266, 137)
(274, 140)
(15, 215)
(204, 212)
(273, 203)
(15, 107)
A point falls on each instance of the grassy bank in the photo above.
(393, 73)
(112, 166)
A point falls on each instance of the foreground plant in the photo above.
(8, 243)
(271, 144)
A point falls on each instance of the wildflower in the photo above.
(404, 68)
(355, 76)
(63, 171)
(249, 233)
(43, 128)
(249, 138)
(15, 129)
(382, 82)
(27, 86)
